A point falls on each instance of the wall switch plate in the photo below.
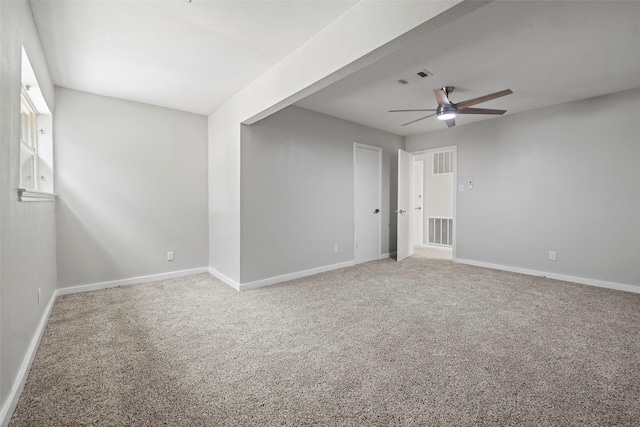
(39, 293)
(470, 185)
(335, 248)
(461, 188)
(170, 256)
(552, 255)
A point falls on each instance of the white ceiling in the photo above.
(547, 52)
(195, 56)
(187, 56)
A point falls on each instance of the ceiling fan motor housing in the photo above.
(446, 112)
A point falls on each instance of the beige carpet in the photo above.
(423, 342)
(432, 252)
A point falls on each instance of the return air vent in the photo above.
(443, 163)
(440, 231)
(414, 77)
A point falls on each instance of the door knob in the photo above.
(400, 211)
(376, 211)
(419, 208)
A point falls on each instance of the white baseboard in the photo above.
(130, 281)
(388, 255)
(556, 276)
(290, 276)
(16, 390)
(229, 281)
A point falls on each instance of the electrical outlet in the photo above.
(335, 248)
(552, 255)
(170, 256)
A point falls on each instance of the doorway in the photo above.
(436, 191)
(367, 166)
(431, 203)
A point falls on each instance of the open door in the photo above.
(405, 211)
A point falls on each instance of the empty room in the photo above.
(340, 213)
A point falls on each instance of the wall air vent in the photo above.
(443, 163)
(441, 231)
(414, 77)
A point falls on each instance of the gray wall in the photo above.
(297, 192)
(563, 178)
(224, 194)
(369, 31)
(27, 229)
(132, 184)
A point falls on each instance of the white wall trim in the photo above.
(25, 195)
(387, 255)
(556, 276)
(227, 280)
(290, 276)
(16, 390)
(130, 281)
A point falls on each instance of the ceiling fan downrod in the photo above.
(448, 90)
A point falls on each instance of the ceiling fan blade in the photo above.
(421, 118)
(421, 109)
(441, 97)
(451, 122)
(481, 111)
(474, 101)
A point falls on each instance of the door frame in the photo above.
(454, 149)
(421, 211)
(409, 159)
(357, 145)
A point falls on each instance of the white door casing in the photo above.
(405, 208)
(418, 218)
(367, 202)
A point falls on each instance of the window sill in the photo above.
(25, 195)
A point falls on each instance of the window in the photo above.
(36, 139)
(28, 145)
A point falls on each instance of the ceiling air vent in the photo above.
(414, 77)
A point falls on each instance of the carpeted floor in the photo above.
(432, 252)
(423, 342)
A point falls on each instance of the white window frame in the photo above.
(29, 143)
(38, 143)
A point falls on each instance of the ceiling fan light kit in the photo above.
(446, 113)
(447, 110)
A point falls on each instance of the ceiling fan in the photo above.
(448, 110)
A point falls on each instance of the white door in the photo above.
(418, 199)
(405, 204)
(368, 201)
